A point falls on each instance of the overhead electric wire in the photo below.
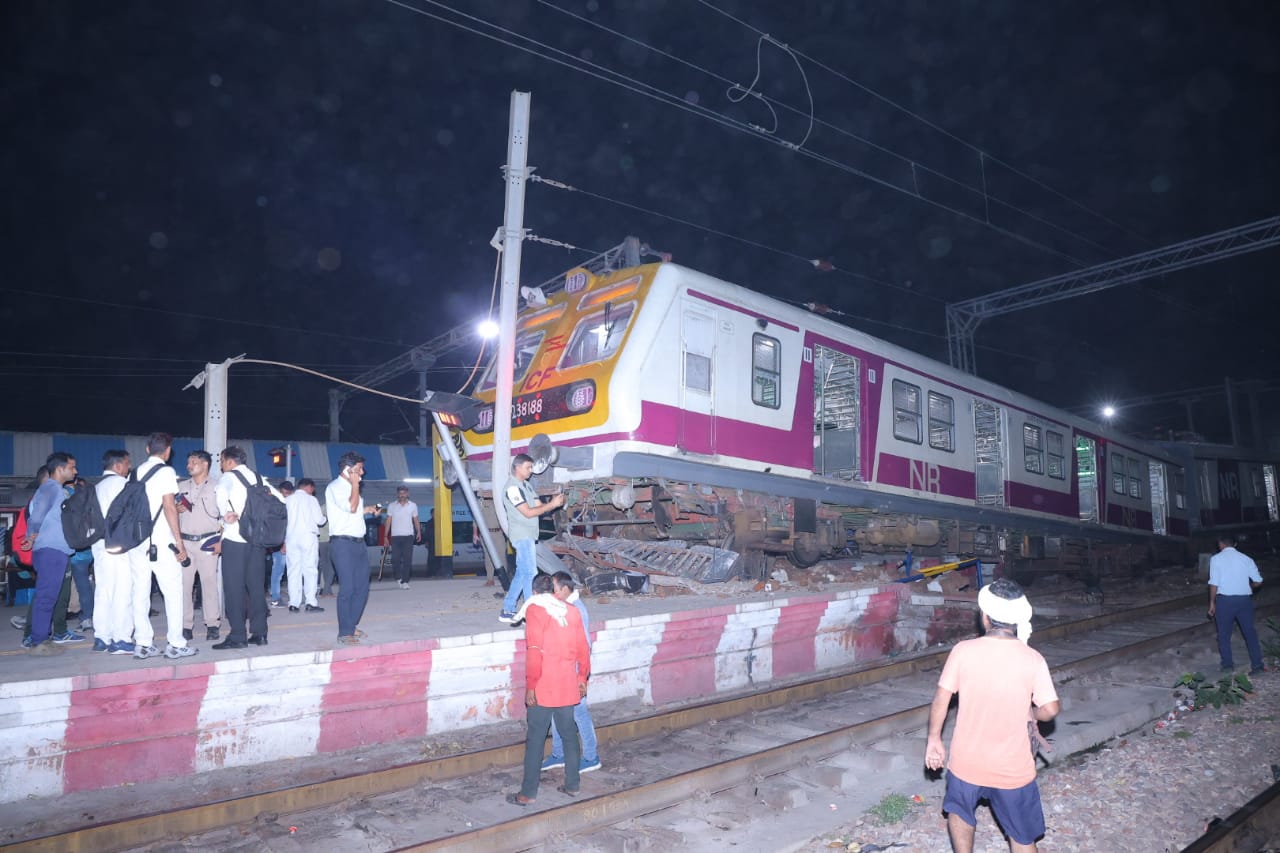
(534, 178)
(987, 198)
(641, 88)
(981, 152)
(204, 317)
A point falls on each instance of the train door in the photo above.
(988, 449)
(1087, 477)
(696, 430)
(1269, 481)
(1159, 498)
(837, 413)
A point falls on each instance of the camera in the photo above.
(174, 549)
(152, 553)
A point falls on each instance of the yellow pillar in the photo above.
(442, 529)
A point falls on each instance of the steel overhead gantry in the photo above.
(421, 358)
(963, 318)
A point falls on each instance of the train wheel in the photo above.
(805, 551)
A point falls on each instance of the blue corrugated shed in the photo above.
(420, 462)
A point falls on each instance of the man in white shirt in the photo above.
(244, 566)
(161, 555)
(113, 590)
(302, 545)
(1232, 579)
(404, 532)
(345, 509)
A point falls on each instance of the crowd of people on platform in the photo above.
(194, 554)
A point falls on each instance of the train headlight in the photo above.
(581, 396)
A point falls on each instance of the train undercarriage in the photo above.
(671, 531)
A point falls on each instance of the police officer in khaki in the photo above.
(199, 521)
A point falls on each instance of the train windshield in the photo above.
(598, 336)
(527, 344)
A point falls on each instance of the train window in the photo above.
(1117, 473)
(1135, 481)
(1057, 458)
(942, 422)
(1032, 448)
(906, 412)
(598, 336)
(766, 371)
(527, 344)
(1180, 490)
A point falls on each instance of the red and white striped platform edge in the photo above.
(62, 735)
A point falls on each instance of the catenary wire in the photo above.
(204, 317)
(744, 240)
(886, 100)
(623, 81)
(770, 103)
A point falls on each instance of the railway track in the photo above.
(851, 730)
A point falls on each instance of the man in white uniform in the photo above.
(405, 532)
(302, 545)
(161, 555)
(113, 591)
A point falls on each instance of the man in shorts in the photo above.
(1004, 688)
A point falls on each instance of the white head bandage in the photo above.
(1015, 611)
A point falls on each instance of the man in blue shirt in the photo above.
(1232, 579)
(49, 548)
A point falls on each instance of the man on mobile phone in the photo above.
(345, 508)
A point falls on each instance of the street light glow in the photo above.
(487, 329)
(1108, 412)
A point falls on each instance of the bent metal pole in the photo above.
(449, 453)
(512, 239)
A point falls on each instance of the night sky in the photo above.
(318, 183)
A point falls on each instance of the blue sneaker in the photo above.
(121, 647)
(508, 617)
(27, 642)
(552, 762)
(588, 764)
(68, 637)
(100, 645)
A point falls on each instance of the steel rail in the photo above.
(597, 811)
(1252, 827)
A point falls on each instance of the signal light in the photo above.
(278, 457)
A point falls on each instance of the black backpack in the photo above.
(82, 521)
(129, 521)
(264, 518)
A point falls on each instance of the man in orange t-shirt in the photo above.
(1005, 688)
(557, 665)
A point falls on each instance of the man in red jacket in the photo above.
(557, 666)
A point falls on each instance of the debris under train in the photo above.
(607, 563)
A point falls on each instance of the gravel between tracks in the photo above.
(1153, 790)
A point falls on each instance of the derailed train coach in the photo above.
(677, 408)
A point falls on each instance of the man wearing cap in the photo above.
(1004, 687)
